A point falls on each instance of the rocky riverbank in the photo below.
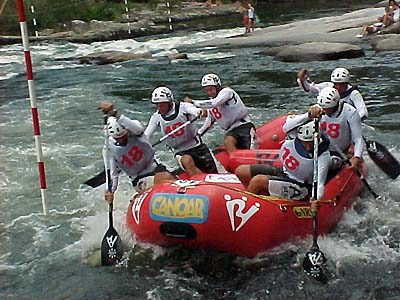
(326, 38)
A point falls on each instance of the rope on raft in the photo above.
(281, 202)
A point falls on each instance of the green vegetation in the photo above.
(54, 13)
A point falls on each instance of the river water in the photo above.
(57, 256)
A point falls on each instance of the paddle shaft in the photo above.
(110, 215)
(344, 157)
(315, 181)
(105, 159)
(314, 260)
(172, 132)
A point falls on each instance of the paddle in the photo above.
(97, 180)
(100, 178)
(111, 245)
(314, 259)
(382, 158)
(344, 157)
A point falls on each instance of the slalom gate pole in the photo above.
(169, 15)
(34, 18)
(127, 16)
(33, 100)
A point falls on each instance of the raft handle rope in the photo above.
(272, 199)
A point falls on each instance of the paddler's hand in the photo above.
(355, 163)
(109, 197)
(202, 113)
(315, 204)
(108, 109)
(187, 99)
(302, 75)
(315, 111)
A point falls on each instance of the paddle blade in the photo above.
(313, 265)
(111, 248)
(383, 159)
(97, 180)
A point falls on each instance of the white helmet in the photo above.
(115, 130)
(162, 94)
(210, 79)
(328, 97)
(340, 75)
(306, 132)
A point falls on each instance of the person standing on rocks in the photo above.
(340, 78)
(252, 14)
(227, 109)
(244, 10)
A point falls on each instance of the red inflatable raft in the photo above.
(213, 211)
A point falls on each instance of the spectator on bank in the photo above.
(396, 10)
(243, 9)
(383, 21)
(252, 14)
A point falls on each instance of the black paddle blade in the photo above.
(111, 248)
(97, 180)
(313, 265)
(383, 159)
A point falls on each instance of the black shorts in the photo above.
(242, 135)
(265, 170)
(202, 158)
(288, 188)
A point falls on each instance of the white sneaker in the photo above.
(359, 36)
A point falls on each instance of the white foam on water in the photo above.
(5, 75)
(8, 59)
(7, 267)
(157, 45)
(44, 54)
(372, 246)
(201, 55)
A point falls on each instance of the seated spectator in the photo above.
(396, 10)
(383, 21)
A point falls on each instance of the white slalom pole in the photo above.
(127, 16)
(169, 16)
(34, 19)
(32, 96)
